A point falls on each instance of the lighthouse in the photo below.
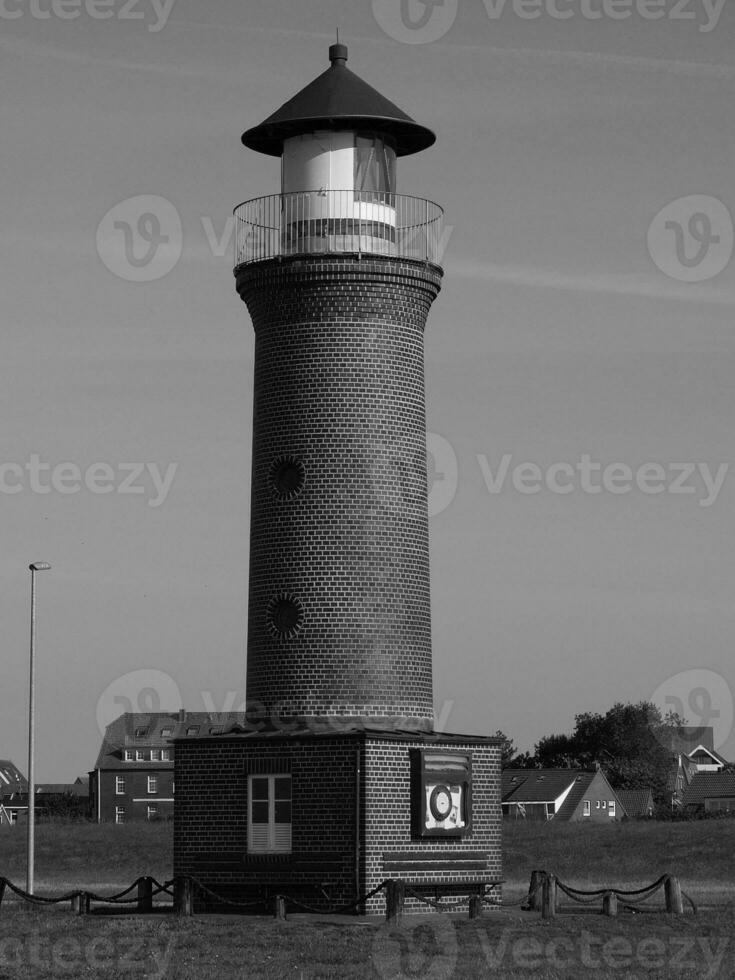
(339, 781)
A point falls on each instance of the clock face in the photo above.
(440, 802)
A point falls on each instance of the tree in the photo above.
(632, 743)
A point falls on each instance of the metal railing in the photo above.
(319, 222)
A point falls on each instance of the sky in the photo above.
(579, 359)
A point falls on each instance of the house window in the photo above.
(587, 808)
(165, 755)
(611, 808)
(152, 811)
(128, 755)
(155, 755)
(166, 732)
(119, 814)
(141, 732)
(192, 730)
(597, 805)
(269, 814)
(139, 755)
(153, 784)
(604, 804)
(119, 785)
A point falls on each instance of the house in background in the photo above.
(133, 778)
(559, 794)
(712, 791)
(697, 744)
(13, 793)
(637, 803)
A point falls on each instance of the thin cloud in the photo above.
(610, 283)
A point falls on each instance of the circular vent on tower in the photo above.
(287, 477)
(285, 615)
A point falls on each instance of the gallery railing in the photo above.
(321, 221)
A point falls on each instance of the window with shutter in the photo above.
(269, 814)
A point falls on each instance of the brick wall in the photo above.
(339, 389)
(135, 797)
(210, 827)
(387, 794)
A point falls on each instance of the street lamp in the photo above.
(36, 566)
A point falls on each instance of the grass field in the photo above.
(51, 942)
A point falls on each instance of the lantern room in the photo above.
(338, 140)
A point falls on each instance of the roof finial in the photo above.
(338, 53)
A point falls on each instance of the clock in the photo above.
(441, 800)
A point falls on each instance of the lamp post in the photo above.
(36, 566)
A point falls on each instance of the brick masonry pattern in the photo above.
(339, 384)
(324, 868)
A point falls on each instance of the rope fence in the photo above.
(545, 889)
(543, 896)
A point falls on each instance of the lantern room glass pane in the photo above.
(375, 165)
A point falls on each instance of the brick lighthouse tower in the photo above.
(339, 781)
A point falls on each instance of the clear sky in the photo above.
(565, 333)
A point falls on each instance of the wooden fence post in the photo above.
(280, 907)
(534, 890)
(80, 903)
(548, 908)
(3, 885)
(476, 905)
(145, 895)
(183, 896)
(672, 890)
(395, 893)
(610, 904)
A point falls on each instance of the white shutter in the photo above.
(282, 837)
(258, 837)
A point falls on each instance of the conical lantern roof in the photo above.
(338, 99)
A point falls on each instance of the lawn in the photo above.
(49, 943)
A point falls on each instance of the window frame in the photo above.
(152, 783)
(119, 814)
(272, 846)
(119, 785)
(587, 808)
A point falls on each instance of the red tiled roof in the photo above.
(636, 802)
(709, 785)
(120, 734)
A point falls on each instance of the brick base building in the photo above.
(352, 806)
